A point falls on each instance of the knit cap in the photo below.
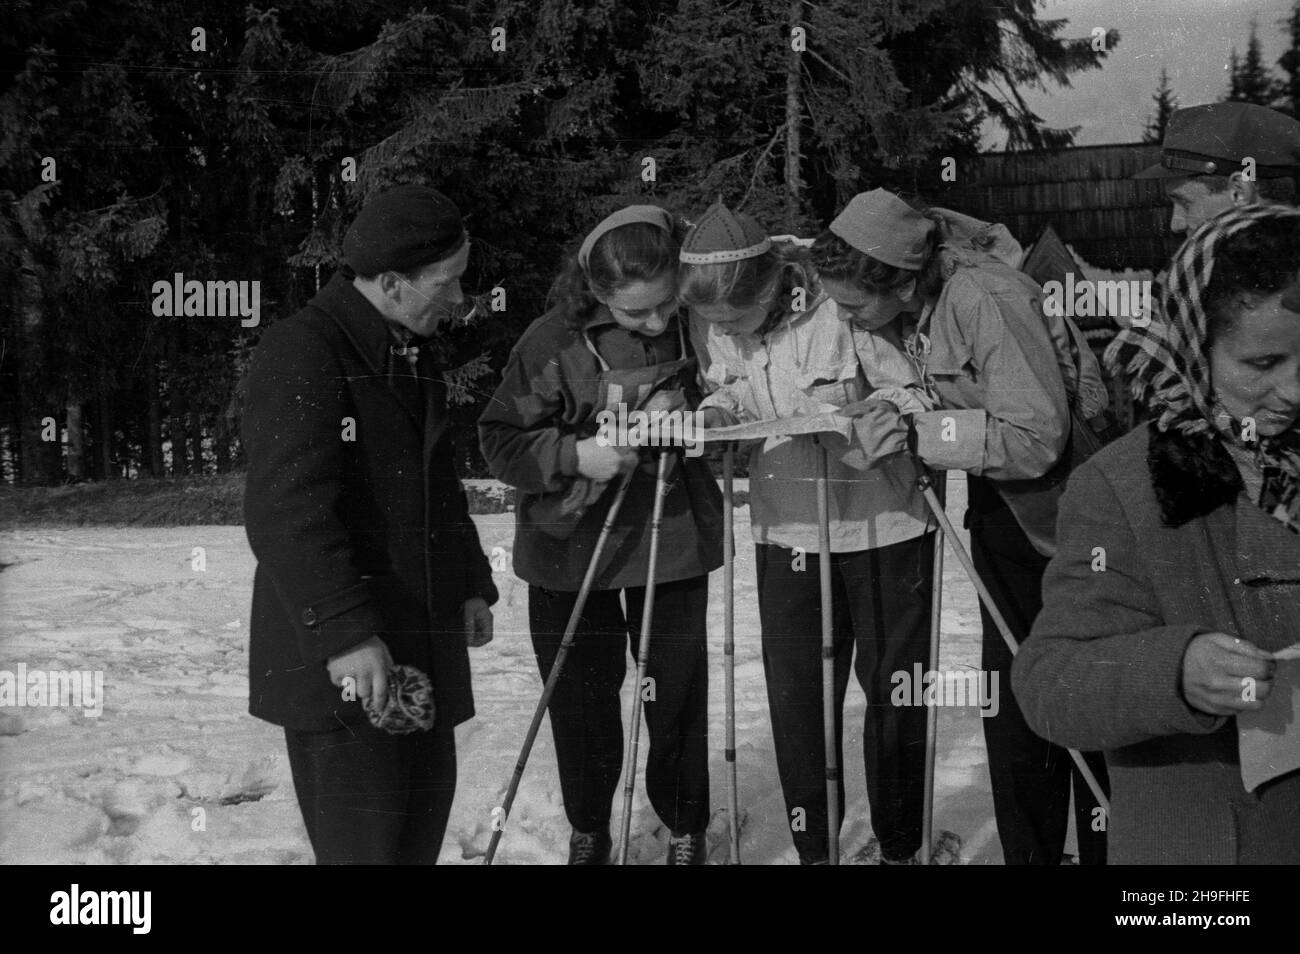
(723, 236)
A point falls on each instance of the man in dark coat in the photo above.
(367, 556)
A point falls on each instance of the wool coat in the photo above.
(355, 513)
(1157, 544)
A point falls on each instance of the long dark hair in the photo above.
(635, 252)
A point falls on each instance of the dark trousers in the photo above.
(368, 797)
(881, 604)
(586, 712)
(1031, 777)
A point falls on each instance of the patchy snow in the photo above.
(175, 745)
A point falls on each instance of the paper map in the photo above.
(823, 422)
(1269, 740)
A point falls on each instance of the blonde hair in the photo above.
(782, 268)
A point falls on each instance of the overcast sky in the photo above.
(1192, 38)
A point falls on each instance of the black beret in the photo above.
(403, 229)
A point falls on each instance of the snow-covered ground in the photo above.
(176, 771)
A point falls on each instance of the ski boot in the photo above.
(590, 849)
(688, 849)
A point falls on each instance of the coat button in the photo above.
(309, 617)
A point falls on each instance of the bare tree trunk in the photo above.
(315, 203)
(153, 424)
(41, 463)
(176, 434)
(9, 453)
(105, 429)
(177, 402)
(221, 442)
(793, 182)
(196, 439)
(76, 439)
(90, 433)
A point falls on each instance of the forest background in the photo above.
(140, 139)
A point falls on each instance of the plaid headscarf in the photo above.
(1168, 368)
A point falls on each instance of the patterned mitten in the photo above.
(410, 703)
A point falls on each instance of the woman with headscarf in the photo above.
(1177, 576)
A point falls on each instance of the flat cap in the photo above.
(1213, 139)
(403, 229)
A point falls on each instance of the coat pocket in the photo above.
(837, 384)
(558, 514)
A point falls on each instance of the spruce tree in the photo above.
(1166, 102)
(872, 93)
(1289, 63)
(241, 158)
(1251, 80)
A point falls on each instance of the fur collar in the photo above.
(1191, 475)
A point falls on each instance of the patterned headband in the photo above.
(726, 255)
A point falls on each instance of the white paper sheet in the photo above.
(819, 423)
(1269, 740)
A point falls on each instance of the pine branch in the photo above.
(350, 77)
(449, 117)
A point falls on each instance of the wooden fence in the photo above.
(1086, 193)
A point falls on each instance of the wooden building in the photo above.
(1086, 193)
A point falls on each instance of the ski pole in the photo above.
(554, 677)
(932, 712)
(729, 654)
(925, 484)
(643, 653)
(828, 662)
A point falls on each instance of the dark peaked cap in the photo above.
(1214, 138)
(403, 229)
